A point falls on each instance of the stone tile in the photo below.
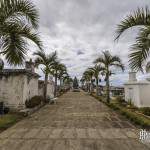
(11, 144)
(27, 145)
(89, 145)
(43, 145)
(61, 145)
(19, 133)
(81, 133)
(7, 133)
(131, 134)
(68, 133)
(31, 133)
(106, 133)
(44, 134)
(93, 134)
(118, 134)
(56, 134)
(74, 145)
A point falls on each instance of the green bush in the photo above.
(145, 111)
(34, 101)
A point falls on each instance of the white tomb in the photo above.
(138, 92)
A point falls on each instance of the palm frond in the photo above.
(14, 49)
(27, 32)
(140, 50)
(141, 17)
(12, 9)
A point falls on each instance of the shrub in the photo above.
(6, 110)
(145, 111)
(34, 101)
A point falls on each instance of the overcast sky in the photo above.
(79, 30)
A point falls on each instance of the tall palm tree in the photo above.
(140, 50)
(107, 61)
(55, 70)
(96, 71)
(47, 61)
(18, 22)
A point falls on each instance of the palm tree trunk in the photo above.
(97, 86)
(55, 90)
(45, 87)
(60, 81)
(91, 87)
(107, 88)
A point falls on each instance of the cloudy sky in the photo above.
(79, 30)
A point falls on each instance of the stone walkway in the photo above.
(76, 122)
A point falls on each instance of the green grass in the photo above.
(8, 120)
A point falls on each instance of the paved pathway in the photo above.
(76, 122)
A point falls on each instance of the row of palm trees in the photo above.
(51, 66)
(103, 67)
(139, 51)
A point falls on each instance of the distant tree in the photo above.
(97, 69)
(75, 83)
(55, 71)
(87, 76)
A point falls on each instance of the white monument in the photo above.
(138, 92)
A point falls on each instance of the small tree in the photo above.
(75, 83)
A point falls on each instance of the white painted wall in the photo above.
(30, 88)
(50, 89)
(16, 89)
(139, 93)
(11, 92)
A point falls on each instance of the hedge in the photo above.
(128, 113)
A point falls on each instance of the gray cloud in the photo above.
(81, 29)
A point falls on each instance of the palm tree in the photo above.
(62, 73)
(107, 61)
(55, 70)
(96, 71)
(87, 76)
(18, 22)
(140, 50)
(47, 61)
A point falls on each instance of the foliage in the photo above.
(34, 101)
(75, 83)
(18, 22)
(145, 111)
(140, 50)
